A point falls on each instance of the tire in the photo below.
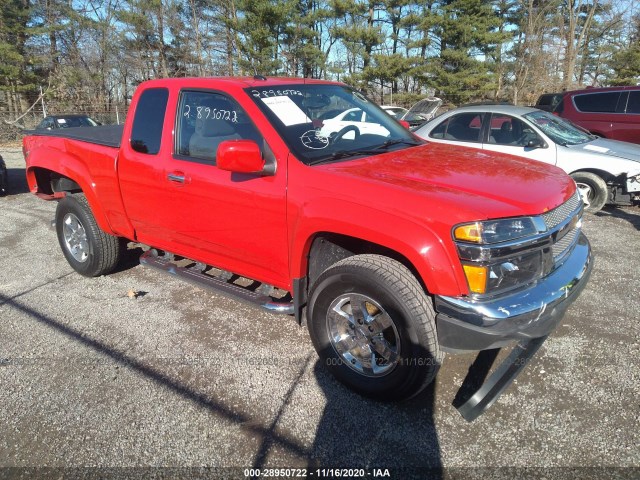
(400, 331)
(593, 190)
(90, 251)
(4, 178)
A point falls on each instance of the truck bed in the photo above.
(107, 135)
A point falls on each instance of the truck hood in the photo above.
(611, 148)
(492, 185)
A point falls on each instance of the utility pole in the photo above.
(44, 109)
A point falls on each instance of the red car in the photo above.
(612, 112)
(393, 250)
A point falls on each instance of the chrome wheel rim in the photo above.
(75, 237)
(586, 192)
(363, 335)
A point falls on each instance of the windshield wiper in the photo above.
(398, 141)
(367, 151)
(343, 154)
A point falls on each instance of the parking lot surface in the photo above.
(93, 375)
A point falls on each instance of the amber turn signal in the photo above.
(471, 232)
(476, 278)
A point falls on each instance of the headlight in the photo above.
(633, 183)
(505, 274)
(493, 258)
(496, 231)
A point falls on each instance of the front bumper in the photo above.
(465, 324)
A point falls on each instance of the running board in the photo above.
(195, 276)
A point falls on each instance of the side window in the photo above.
(464, 127)
(205, 120)
(508, 130)
(146, 133)
(597, 102)
(545, 100)
(354, 116)
(440, 130)
(633, 104)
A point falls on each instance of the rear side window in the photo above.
(146, 133)
(464, 127)
(633, 104)
(559, 108)
(545, 100)
(549, 100)
(597, 102)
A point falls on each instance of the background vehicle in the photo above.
(420, 112)
(391, 249)
(605, 170)
(548, 101)
(4, 177)
(612, 112)
(53, 122)
(400, 113)
(364, 122)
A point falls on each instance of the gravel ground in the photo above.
(180, 377)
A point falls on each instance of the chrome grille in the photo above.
(561, 247)
(556, 216)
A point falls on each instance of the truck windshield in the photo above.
(329, 122)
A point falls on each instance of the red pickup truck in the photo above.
(392, 250)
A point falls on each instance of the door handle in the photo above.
(177, 177)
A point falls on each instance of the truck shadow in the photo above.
(355, 432)
(130, 257)
(17, 183)
(630, 214)
(159, 376)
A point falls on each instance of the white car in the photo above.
(353, 117)
(420, 112)
(394, 111)
(606, 171)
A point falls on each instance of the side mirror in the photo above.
(240, 156)
(537, 143)
(404, 123)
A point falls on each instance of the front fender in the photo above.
(573, 161)
(436, 263)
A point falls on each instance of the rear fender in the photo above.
(67, 165)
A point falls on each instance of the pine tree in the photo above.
(468, 34)
(626, 62)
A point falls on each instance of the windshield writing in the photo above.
(327, 122)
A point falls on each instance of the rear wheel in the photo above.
(373, 326)
(90, 251)
(593, 190)
(4, 178)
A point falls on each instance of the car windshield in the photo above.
(322, 122)
(558, 129)
(70, 122)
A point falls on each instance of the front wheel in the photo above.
(373, 326)
(593, 190)
(90, 251)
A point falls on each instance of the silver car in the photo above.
(606, 171)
